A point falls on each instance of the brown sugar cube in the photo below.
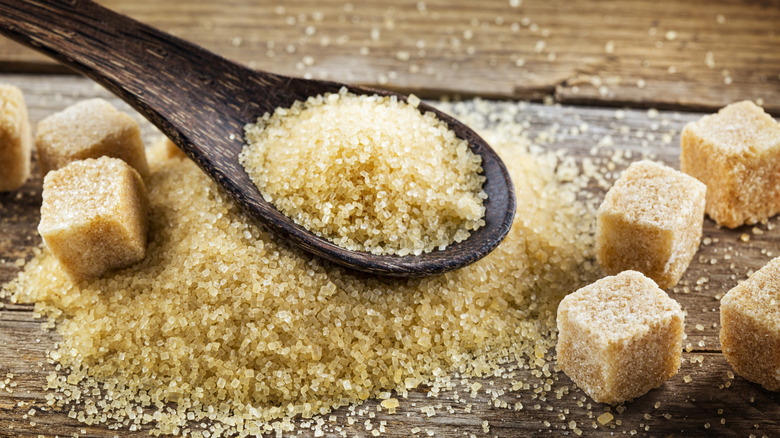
(93, 217)
(89, 129)
(15, 139)
(170, 150)
(736, 153)
(173, 151)
(651, 222)
(163, 149)
(619, 337)
(750, 327)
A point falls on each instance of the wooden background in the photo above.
(592, 57)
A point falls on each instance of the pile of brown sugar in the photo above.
(369, 173)
(242, 332)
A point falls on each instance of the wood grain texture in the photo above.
(703, 399)
(222, 97)
(642, 53)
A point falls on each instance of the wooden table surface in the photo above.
(591, 57)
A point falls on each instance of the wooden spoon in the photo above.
(202, 101)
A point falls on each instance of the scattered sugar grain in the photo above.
(605, 418)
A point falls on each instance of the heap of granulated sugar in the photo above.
(223, 330)
(369, 173)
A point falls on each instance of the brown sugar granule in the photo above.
(750, 326)
(240, 329)
(93, 217)
(89, 129)
(369, 173)
(651, 222)
(15, 139)
(605, 418)
(736, 153)
(619, 337)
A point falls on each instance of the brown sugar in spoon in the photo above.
(202, 101)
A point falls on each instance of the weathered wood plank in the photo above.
(584, 133)
(702, 399)
(643, 53)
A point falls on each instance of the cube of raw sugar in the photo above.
(15, 139)
(170, 149)
(89, 129)
(93, 217)
(736, 153)
(651, 222)
(163, 149)
(619, 337)
(750, 327)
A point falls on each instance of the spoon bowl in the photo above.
(202, 102)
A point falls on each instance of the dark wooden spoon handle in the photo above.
(202, 102)
(170, 81)
(197, 98)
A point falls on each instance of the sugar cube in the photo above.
(15, 139)
(89, 129)
(736, 153)
(619, 337)
(171, 150)
(163, 149)
(750, 326)
(651, 222)
(93, 217)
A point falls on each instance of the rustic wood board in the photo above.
(702, 399)
(663, 53)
